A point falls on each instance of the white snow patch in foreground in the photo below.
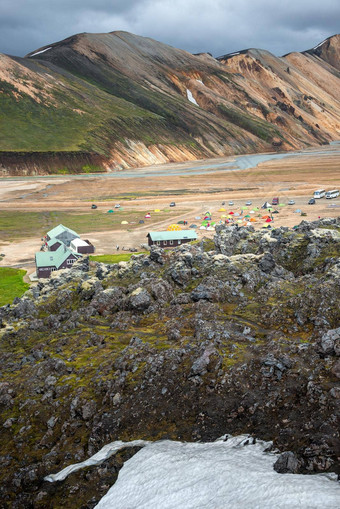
(98, 458)
(233, 54)
(218, 475)
(200, 81)
(191, 97)
(38, 52)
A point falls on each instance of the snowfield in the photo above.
(233, 472)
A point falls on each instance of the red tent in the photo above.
(268, 220)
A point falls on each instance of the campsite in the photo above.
(42, 202)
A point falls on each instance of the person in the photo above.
(117, 247)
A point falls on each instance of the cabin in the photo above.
(81, 246)
(171, 238)
(63, 234)
(48, 261)
(53, 244)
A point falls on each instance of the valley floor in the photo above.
(68, 200)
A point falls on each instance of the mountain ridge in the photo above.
(129, 101)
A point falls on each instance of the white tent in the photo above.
(266, 205)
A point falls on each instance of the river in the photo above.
(200, 167)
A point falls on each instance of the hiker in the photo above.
(117, 247)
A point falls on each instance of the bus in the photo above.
(332, 194)
(320, 193)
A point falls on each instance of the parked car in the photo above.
(291, 202)
(93, 206)
(231, 203)
(275, 201)
(172, 204)
(311, 201)
(248, 202)
(117, 206)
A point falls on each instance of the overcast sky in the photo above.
(215, 26)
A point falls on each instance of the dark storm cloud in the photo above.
(217, 26)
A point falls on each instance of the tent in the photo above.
(268, 220)
(173, 227)
(298, 211)
(247, 215)
(276, 212)
(252, 219)
(251, 211)
(193, 226)
(266, 226)
(266, 205)
(157, 210)
(202, 227)
(147, 216)
(282, 205)
(265, 217)
(244, 208)
(237, 214)
(198, 217)
(180, 222)
(141, 221)
(231, 213)
(256, 208)
(124, 222)
(110, 211)
(222, 209)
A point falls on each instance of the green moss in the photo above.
(252, 124)
(114, 258)
(11, 284)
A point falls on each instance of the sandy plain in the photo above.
(295, 178)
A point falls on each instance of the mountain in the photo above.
(117, 100)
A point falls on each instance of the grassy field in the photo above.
(36, 224)
(11, 284)
(113, 258)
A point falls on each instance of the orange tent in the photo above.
(252, 219)
(265, 217)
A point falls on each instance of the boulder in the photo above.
(287, 463)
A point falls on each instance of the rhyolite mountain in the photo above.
(117, 100)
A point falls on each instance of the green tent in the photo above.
(110, 211)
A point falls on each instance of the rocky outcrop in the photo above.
(191, 345)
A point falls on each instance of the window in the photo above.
(171, 242)
(70, 261)
(179, 242)
(164, 242)
(158, 243)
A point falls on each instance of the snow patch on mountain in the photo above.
(191, 97)
(38, 52)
